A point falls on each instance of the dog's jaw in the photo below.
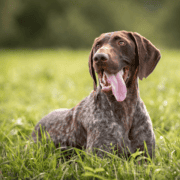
(115, 83)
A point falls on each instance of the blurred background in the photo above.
(75, 23)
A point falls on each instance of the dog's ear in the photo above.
(91, 69)
(148, 55)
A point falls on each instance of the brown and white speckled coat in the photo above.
(99, 120)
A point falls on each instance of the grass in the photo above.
(33, 83)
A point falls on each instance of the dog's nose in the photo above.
(100, 57)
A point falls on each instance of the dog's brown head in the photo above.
(116, 56)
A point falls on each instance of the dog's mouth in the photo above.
(115, 82)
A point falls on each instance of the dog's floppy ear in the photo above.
(148, 55)
(91, 69)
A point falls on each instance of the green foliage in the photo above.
(33, 83)
(75, 24)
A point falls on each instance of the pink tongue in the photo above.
(118, 86)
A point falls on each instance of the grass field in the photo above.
(33, 83)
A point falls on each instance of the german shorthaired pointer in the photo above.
(113, 115)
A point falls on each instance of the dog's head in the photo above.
(116, 56)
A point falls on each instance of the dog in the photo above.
(113, 115)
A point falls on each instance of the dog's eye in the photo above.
(97, 46)
(121, 43)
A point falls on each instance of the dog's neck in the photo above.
(121, 110)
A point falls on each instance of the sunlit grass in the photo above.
(33, 83)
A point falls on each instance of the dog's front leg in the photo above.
(111, 140)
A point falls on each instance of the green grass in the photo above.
(33, 83)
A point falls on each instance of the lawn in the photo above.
(35, 82)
